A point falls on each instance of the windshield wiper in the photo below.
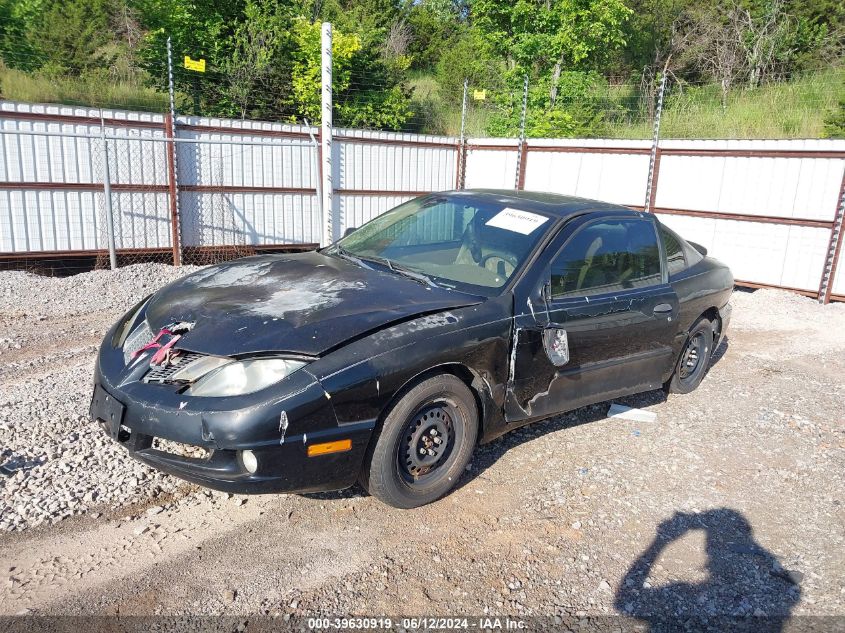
(401, 270)
(379, 260)
(345, 254)
(412, 274)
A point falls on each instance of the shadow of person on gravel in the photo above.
(746, 589)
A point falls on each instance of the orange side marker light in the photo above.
(340, 446)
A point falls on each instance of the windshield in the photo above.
(454, 241)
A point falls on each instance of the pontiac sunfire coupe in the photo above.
(387, 356)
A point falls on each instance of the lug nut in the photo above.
(431, 451)
(437, 440)
(433, 432)
(422, 451)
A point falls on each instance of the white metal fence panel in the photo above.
(612, 176)
(772, 184)
(763, 253)
(246, 183)
(56, 203)
(490, 166)
(248, 219)
(376, 171)
(355, 210)
(839, 279)
(260, 158)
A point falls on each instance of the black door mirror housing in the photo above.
(350, 230)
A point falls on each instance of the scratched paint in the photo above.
(305, 298)
(228, 275)
(283, 426)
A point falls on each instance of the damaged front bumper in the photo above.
(277, 425)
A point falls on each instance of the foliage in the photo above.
(82, 91)
(256, 78)
(834, 123)
(735, 66)
(581, 109)
(470, 58)
(307, 70)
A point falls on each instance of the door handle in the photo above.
(662, 308)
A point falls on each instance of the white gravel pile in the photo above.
(798, 325)
(98, 291)
(53, 461)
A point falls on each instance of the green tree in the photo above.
(435, 26)
(381, 104)
(257, 72)
(472, 57)
(552, 37)
(17, 49)
(70, 33)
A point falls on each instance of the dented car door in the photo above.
(608, 323)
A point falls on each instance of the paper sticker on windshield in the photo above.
(516, 221)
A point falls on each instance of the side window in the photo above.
(607, 256)
(675, 260)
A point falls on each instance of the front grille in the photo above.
(163, 373)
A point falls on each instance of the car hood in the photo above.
(305, 303)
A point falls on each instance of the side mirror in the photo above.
(556, 344)
(349, 230)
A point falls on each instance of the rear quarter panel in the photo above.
(708, 284)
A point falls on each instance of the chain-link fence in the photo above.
(119, 191)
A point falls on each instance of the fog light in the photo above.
(250, 461)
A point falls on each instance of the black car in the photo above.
(387, 356)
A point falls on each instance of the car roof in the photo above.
(553, 204)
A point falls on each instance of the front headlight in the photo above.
(241, 377)
(128, 321)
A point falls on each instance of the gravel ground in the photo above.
(730, 503)
(56, 463)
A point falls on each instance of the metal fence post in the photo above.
(326, 134)
(521, 149)
(654, 158)
(834, 248)
(316, 166)
(172, 175)
(462, 141)
(107, 195)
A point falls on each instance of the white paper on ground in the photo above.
(517, 221)
(627, 413)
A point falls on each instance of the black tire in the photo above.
(395, 472)
(694, 360)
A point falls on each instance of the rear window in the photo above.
(675, 260)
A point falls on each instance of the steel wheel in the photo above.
(424, 444)
(692, 357)
(429, 438)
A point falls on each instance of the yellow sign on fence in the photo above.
(479, 95)
(195, 64)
